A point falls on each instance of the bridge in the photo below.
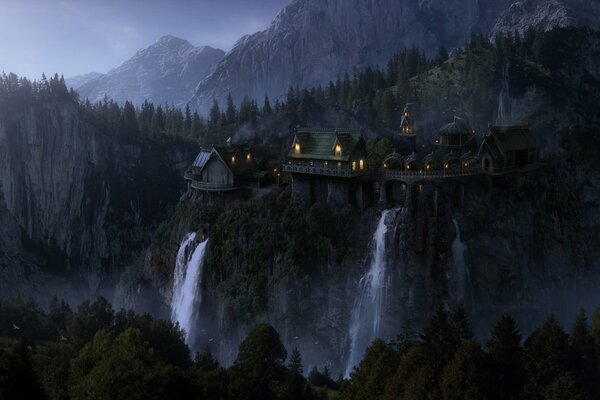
(385, 175)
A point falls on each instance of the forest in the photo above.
(96, 352)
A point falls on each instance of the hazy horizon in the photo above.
(71, 37)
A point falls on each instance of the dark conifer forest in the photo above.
(61, 353)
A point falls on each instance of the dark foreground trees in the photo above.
(97, 353)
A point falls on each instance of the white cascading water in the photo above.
(366, 315)
(457, 268)
(187, 284)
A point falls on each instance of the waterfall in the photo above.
(457, 268)
(367, 312)
(187, 284)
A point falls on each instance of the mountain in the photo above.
(77, 81)
(546, 14)
(314, 41)
(166, 72)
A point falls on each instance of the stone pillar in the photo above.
(301, 186)
(338, 191)
(382, 193)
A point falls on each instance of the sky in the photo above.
(73, 37)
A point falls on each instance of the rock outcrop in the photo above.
(83, 199)
(545, 15)
(166, 72)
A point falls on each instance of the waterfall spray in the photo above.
(367, 313)
(457, 268)
(187, 289)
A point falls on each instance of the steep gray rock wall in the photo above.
(88, 198)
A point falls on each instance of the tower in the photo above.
(407, 126)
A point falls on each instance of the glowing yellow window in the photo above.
(353, 165)
(232, 159)
(248, 156)
(338, 149)
(362, 164)
(297, 148)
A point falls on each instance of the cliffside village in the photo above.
(330, 165)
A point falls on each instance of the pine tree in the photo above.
(267, 110)
(231, 112)
(214, 116)
(506, 359)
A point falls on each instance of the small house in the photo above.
(507, 148)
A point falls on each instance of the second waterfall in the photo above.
(365, 325)
(187, 283)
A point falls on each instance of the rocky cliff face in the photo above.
(314, 41)
(166, 72)
(84, 200)
(545, 15)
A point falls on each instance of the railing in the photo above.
(212, 186)
(392, 174)
(306, 169)
(380, 173)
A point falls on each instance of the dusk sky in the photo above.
(73, 37)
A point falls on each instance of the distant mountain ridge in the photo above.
(166, 72)
(311, 42)
(314, 41)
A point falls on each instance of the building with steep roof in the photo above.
(225, 169)
(457, 135)
(507, 148)
(324, 164)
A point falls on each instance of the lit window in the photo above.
(232, 159)
(362, 164)
(325, 164)
(466, 164)
(248, 156)
(339, 165)
(353, 165)
(297, 148)
(408, 167)
(428, 166)
(384, 165)
(338, 149)
(447, 166)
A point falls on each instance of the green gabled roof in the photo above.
(319, 144)
(512, 138)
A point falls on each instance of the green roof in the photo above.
(318, 144)
(512, 138)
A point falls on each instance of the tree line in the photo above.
(97, 353)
